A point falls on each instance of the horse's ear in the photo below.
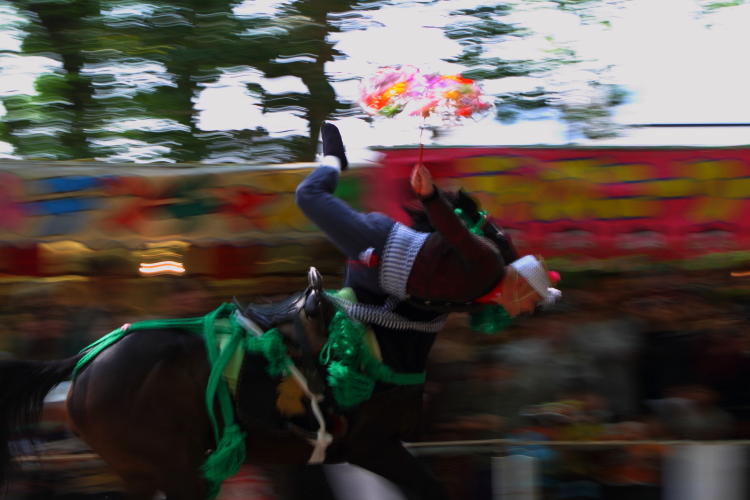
(467, 203)
(418, 216)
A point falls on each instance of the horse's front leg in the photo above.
(394, 463)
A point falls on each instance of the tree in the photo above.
(584, 102)
(51, 124)
(129, 74)
(132, 71)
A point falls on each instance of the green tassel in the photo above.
(343, 354)
(212, 489)
(271, 345)
(225, 461)
(352, 369)
(474, 227)
(490, 320)
(349, 387)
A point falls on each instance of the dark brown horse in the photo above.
(140, 405)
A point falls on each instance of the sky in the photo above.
(679, 67)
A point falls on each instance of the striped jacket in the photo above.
(450, 265)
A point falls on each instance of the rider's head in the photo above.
(526, 286)
(526, 283)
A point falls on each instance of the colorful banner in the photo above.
(228, 222)
(585, 207)
(595, 203)
(101, 205)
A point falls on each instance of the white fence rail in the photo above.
(692, 470)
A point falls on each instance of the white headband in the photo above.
(534, 272)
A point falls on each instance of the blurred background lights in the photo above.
(163, 258)
(165, 267)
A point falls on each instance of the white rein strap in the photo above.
(323, 439)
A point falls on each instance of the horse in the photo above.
(140, 405)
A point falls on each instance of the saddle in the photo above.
(292, 315)
(307, 302)
(276, 404)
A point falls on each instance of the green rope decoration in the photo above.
(352, 369)
(343, 354)
(227, 458)
(271, 345)
(474, 227)
(225, 461)
(491, 319)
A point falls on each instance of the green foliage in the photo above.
(591, 118)
(127, 63)
(480, 31)
(720, 5)
(130, 73)
(710, 7)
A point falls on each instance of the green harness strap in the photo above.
(352, 373)
(194, 325)
(226, 460)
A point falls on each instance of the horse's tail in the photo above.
(23, 387)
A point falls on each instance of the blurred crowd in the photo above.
(622, 358)
(56, 319)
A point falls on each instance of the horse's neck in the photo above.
(404, 351)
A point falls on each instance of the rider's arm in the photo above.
(443, 217)
(453, 230)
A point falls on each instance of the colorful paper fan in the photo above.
(392, 91)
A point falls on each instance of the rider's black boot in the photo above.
(332, 144)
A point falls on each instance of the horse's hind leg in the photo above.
(177, 473)
(396, 464)
(185, 487)
(176, 484)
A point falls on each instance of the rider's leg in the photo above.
(350, 231)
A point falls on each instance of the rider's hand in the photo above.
(421, 181)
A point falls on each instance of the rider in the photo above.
(388, 263)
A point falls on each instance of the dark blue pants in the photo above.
(350, 231)
(354, 232)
